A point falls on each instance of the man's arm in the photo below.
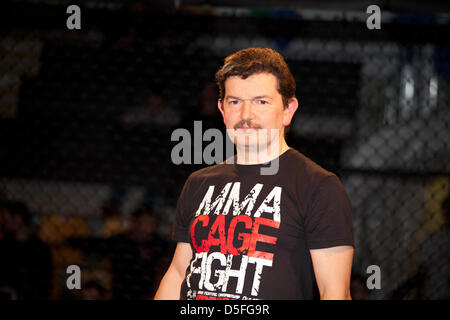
(169, 288)
(332, 268)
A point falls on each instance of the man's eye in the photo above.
(261, 102)
(234, 102)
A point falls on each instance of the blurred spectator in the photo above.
(432, 280)
(92, 290)
(208, 101)
(154, 111)
(435, 259)
(26, 267)
(138, 258)
(358, 288)
(208, 111)
(114, 223)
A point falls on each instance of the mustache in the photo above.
(247, 123)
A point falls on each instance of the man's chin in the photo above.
(246, 140)
(250, 144)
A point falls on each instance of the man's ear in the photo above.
(289, 111)
(220, 106)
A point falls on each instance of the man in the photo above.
(26, 267)
(243, 234)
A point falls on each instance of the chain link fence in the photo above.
(86, 118)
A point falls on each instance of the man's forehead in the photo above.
(256, 77)
(256, 85)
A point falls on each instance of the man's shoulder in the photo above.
(307, 166)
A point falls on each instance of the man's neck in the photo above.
(251, 155)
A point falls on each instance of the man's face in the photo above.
(253, 111)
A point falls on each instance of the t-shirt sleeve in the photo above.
(180, 228)
(329, 219)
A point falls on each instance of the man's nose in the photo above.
(246, 111)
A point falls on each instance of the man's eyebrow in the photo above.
(262, 97)
(232, 97)
(257, 97)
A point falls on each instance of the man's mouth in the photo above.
(246, 127)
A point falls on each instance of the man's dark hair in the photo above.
(250, 61)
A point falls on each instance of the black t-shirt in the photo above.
(251, 233)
